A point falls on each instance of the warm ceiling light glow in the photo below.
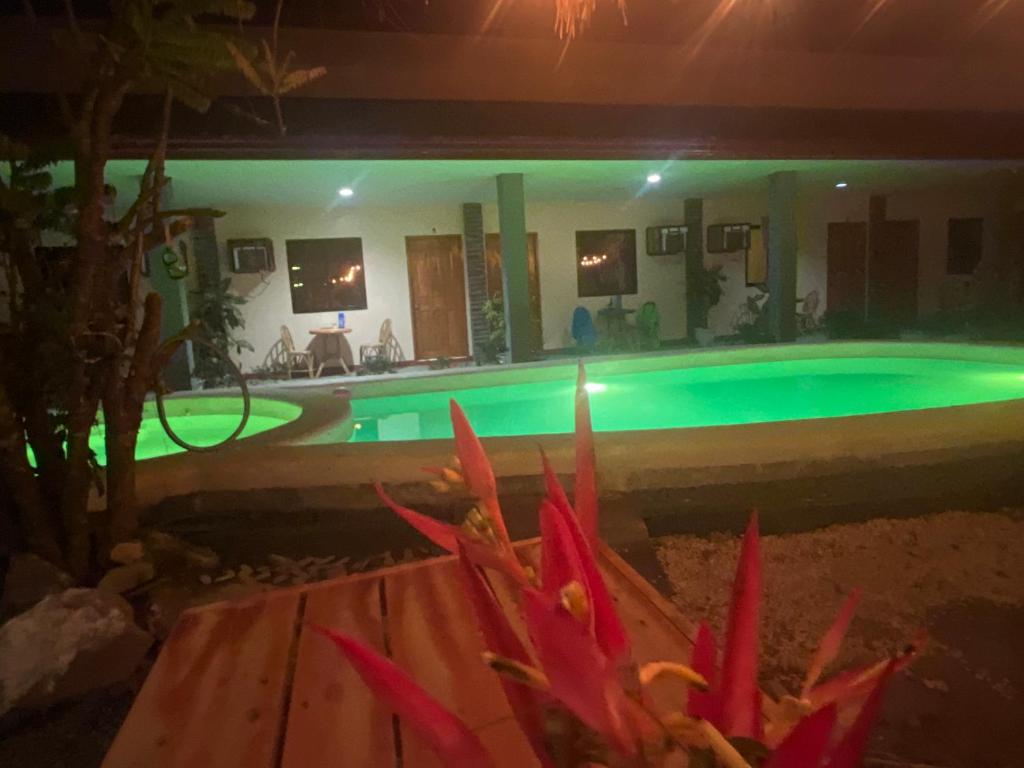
(841, 185)
(346, 192)
(653, 178)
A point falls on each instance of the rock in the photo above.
(67, 645)
(170, 553)
(125, 577)
(29, 579)
(127, 552)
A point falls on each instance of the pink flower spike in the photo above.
(580, 675)
(704, 661)
(476, 467)
(739, 663)
(805, 745)
(500, 638)
(445, 535)
(552, 486)
(442, 731)
(586, 462)
(448, 537)
(559, 561)
(607, 626)
(831, 641)
(850, 749)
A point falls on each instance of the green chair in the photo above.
(648, 325)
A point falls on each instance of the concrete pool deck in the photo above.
(339, 475)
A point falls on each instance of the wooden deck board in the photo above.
(434, 635)
(333, 719)
(215, 696)
(654, 628)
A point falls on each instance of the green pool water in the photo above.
(742, 393)
(199, 421)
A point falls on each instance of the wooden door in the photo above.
(437, 289)
(847, 266)
(492, 247)
(892, 272)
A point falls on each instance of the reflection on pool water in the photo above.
(744, 393)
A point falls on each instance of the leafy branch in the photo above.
(270, 72)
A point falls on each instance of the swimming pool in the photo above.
(811, 385)
(199, 421)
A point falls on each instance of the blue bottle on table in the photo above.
(341, 319)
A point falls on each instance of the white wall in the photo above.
(933, 209)
(660, 279)
(383, 231)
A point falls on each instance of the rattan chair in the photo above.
(386, 349)
(304, 357)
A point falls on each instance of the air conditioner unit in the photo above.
(726, 238)
(666, 240)
(251, 255)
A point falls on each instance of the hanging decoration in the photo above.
(175, 262)
(573, 16)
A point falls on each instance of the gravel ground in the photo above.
(959, 575)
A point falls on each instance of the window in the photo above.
(327, 274)
(964, 246)
(606, 262)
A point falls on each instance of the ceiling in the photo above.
(415, 182)
(894, 27)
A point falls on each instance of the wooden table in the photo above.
(247, 685)
(615, 321)
(335, 334)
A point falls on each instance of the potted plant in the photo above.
(706, 290)
(494, 350)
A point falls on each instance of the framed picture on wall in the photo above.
(327, 274)
(606, 262)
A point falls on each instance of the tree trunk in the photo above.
(20, 480)
(122, 413)
(91, 318)
(122, 425)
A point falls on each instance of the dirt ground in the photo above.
(958, 575)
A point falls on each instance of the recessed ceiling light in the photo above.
(841, 185)
(653, 178)
(346, 192)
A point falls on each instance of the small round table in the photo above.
(334, 334)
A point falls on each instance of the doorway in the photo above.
(846, 284)
(492, 247)
(437, 292)
(892, 273)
